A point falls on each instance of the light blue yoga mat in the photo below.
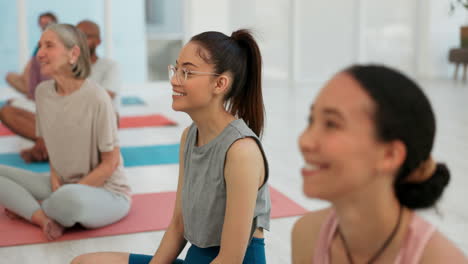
(133, 156)
(127, 100)
(132, 100)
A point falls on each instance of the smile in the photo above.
(311, 169)
(178, 94)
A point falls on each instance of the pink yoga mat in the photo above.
(4, 131)
(145, 121)
(125, 122)
(150, 212)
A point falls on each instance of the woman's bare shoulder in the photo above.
(312, 221)
(439, 249)
(305, 233)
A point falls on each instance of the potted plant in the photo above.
(463, 29)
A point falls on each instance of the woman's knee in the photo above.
(3, 169)
(83, 259)
(65, 200)
(5, 112)
(19, 176)
(13, 78)
(101, 257)
(69, 193)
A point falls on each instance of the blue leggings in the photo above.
(255, 254)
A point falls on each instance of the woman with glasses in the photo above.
(367, 150)
(86, 184)
(223, 202)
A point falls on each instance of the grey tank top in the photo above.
(204, 190)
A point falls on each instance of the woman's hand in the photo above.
(39, 150)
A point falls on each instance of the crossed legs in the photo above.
(92, 207)
(20, 82)
(20, 191)
(19, 121)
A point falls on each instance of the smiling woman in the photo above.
(62, 53)
(76, 120)
(223, 200)
(367, 150)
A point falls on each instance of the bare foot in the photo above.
(12, 215)
(52, 230)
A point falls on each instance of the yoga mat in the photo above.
(145, 121)
(282, 206)
(149, 212)
(132, 100)
(133, 156)
(4, 131)
(155, 120)
(2, 103)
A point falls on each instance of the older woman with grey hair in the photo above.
(86, 184)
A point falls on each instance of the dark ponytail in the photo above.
(240, 56)
(403, 112)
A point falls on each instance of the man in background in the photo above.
(104, 71)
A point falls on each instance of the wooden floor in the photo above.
(287, 110)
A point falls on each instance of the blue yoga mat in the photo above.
(133, 156)
(132, 100)
(127, 100)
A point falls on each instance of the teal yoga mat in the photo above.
(132, 100)
(133, 156)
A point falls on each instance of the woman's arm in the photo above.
(441, 250)
(55, 181)
(244, 174)
(109, 162)
(107, 143)
(173, 241)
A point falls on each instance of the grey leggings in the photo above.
(92, 207)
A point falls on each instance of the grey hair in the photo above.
(70, 36)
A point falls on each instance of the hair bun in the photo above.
(426, 193)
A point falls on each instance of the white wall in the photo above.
(326, 38)
(412, 35)
(268, 19)
(388, 33)
(206, 15)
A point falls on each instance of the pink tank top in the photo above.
(419, 233)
